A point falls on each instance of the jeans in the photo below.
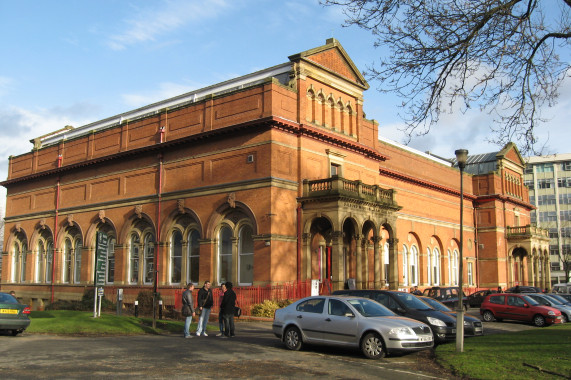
(221, 322)
(187, 323)
(203, 321)
(228, 324)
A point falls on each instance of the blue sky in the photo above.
(75, 62)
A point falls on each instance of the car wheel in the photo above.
(488, 316)
(292, 339)
(565, 318)
(538, 320)
(372, 346)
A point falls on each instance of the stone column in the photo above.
(377, 262)
(337, 260)
(358, 253)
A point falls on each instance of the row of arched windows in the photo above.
(234, 256)
(433, 268)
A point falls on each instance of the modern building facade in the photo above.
(274, 177)
(549, 181)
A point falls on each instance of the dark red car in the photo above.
(518, 307)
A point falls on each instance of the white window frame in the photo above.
(404, 265)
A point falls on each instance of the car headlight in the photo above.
(436, 322)
(402, 332)
(550, 312)
(466, 323)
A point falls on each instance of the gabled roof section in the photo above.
(488, 162)
(511, 152)
(333, 58)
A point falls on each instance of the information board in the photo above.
(101, 258)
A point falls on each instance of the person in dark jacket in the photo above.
(205, 302)
(187, 300)
(220, 319)
(227, 310)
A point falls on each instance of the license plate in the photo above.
(425, 338)
(8, 311)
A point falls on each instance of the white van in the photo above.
(562, 288)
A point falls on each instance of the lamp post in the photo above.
(461, 157)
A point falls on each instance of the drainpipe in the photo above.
(298, 243)
(477, 243)
(157, 251)
(58, 193)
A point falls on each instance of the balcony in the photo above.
(356, 191)
(526, 232)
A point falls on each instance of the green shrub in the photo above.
(145, 299)
(86, 303)
(268, 307)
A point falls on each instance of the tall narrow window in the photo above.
(23, 259)
(413, 265)
(246, 256)
(149, 250)
(436, 266)
(449, 268)
(404, 265)
(134, 259)
(225, 254)
(77, 262)
(455, 268)
(470, 275)
(335, 169)
(67, 251)
(193, 257)
(176, 257)
(49, 260)
(386, 262)
(39, 261)
(15, 262)
(429, 266)
(110, 268)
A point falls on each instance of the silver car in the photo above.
(547, 300)
(349, 321)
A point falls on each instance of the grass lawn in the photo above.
(512, 355)
(82, 322)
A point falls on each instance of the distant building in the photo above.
(549, 181)
(271, 178)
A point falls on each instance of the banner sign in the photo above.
(101, 258)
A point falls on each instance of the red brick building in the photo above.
(273, 177)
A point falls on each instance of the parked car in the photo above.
(349, 321)
(562, 288)
(561, 297)
(472, 326)
(546, 300)
(447, 295)
(408, 305)
(519, 307)
(524, 289)
(13, 314)
(475, 299)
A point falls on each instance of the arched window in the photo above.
(413, 265)
(449, 268)
(24, 256)
(455, 268)
(77, 262)
(67, 253)
(134, 259)
(246, 256)
(49, 261)
(15, 262)
(110, 267)
(176, 257)
(429, 266)
(149, 257)
(225, 254)
(404, 265)
(193, 261)
(386, 261)
(436, 266)
(39, 262)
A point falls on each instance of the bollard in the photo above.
(119, 301)
(160, 309)
(136, 308)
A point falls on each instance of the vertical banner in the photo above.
(101, 246)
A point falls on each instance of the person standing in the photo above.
(227, 310)
(187, 301)
(220, 319)
(205, 302)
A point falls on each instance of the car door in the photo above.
(516, 309)
(338, 328)
(310, 318)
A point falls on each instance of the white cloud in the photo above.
(149, 23)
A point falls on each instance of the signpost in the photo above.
(100, 266)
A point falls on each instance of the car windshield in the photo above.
(370, 308)
(412, 301)
(435, 304)
(6, 298)
(530, 300)
(557, 299)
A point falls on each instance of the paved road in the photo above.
(254, 353)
